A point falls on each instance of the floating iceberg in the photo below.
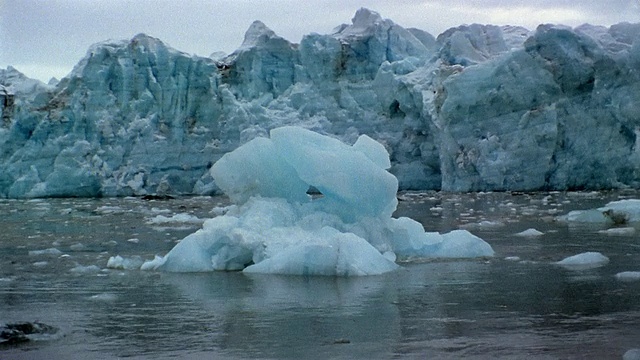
(615, 212)
(530, 233)
(584, 261)
(620, 231)
(628, 276)
(633, 354)
(623, 211)
(276, 227)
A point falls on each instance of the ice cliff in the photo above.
(480, 107)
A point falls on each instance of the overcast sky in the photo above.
(45, 38)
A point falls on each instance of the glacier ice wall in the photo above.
(480, 107)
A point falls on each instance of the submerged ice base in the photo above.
(276, 227)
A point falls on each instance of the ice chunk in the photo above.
(633, 354)
(153, 264)
(219, 210)
(106, 209)
(409, 241)
(628, 276)
(530, 233)
(585, 216)
(622, 231)
(119, 262)
(177, 218)
(484, 224)
(275, 227)
(623, 211)
(78, 247)
(80, 269)
(615, 212)
(49, 251)
(461, 244)
(583, 261)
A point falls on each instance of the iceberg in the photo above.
(530, 233)
(632, 354)
(584, 261)
(275, 226)
(621, 231)
(613, 213)
(628, 276)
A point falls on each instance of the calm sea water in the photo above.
(505, 307)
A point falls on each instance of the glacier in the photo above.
(477, 108)
(276, 227)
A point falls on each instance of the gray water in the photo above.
(505, 307)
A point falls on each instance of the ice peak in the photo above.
(365, 18)
(364, 22)
(144, 38)
(10, 74)
(256, 30)
(12, 81)
(146, 41)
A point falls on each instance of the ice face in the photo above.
(550, 93)
(351, 180)
(262, 172)
(481, 108)
(276, 227)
